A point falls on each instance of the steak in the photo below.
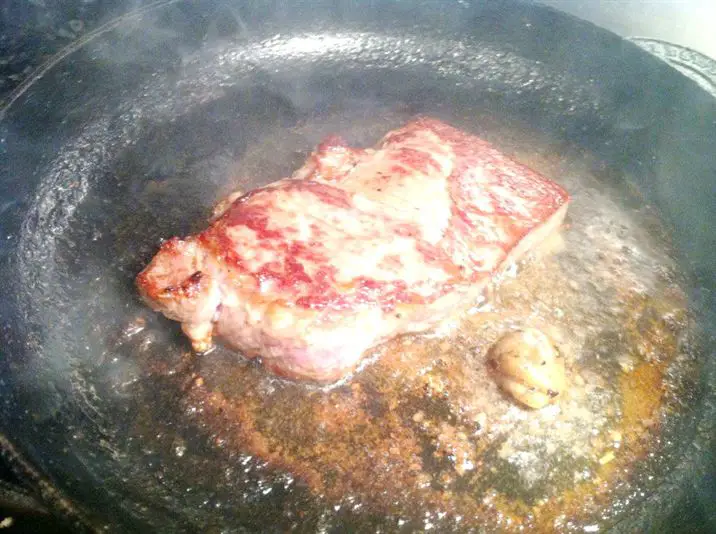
(358, 246)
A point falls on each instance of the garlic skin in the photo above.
(528, 367)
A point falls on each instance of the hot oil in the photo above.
(424, 427)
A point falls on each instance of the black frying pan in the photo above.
(131, 137)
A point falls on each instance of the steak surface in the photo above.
(358, 246)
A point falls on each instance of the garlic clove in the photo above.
(528, 367)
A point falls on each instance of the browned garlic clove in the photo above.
(528, 367)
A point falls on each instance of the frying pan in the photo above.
(129, 137)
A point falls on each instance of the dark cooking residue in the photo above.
(422, 437)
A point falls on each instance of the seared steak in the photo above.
(358, 246)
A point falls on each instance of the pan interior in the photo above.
(212, 441)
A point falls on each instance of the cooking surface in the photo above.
(147, 171)
(31, 33)
(426, 418)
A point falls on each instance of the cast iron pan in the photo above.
(131, 137)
